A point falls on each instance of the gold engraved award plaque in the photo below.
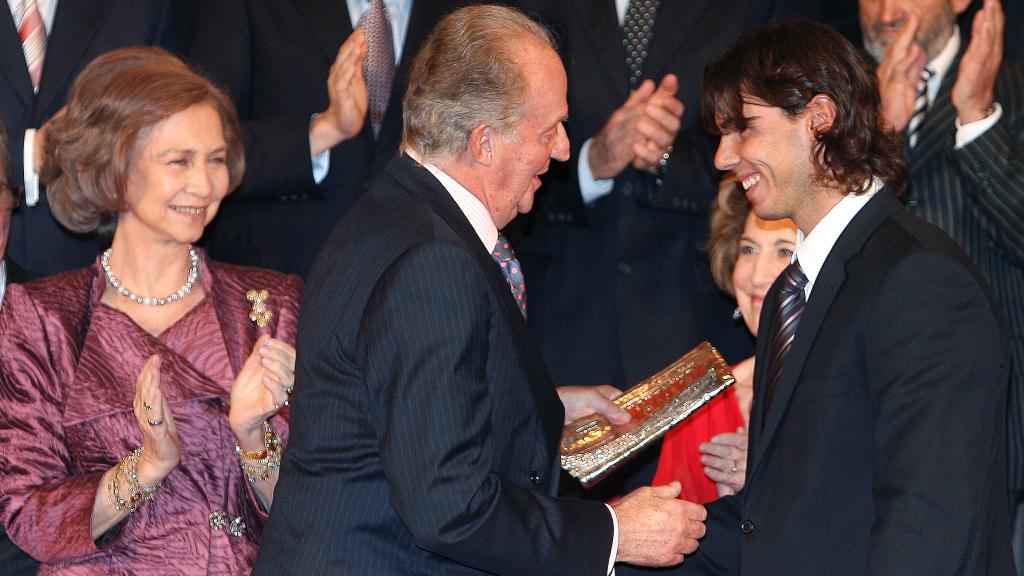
(592, 447)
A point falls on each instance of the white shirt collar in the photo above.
(812, 249)
(471, 206)
(942, 63)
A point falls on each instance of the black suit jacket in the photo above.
(883, 450)
(274, 57)
(82, 30)
(976, 194)
(424, 425)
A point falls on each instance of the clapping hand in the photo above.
(974, 90)
(899, 74)
(161, 448)
(261, 389)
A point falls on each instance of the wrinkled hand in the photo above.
(899, 74)
(639, 131)
(725, 460)
(655, 528)
(347, 96)
(161, 448)
(973, 92)
(580, 401)
(261, 389)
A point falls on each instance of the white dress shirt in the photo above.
(812, 249)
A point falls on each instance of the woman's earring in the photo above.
(737, 313)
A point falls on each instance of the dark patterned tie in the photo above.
(510, 268)
(787, 318)
(32, 33)
(920, 106)
(637, 30)
(379, 67)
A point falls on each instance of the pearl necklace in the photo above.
(193, 274)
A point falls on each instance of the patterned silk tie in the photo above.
(637, 31)
(787, 318)
(33, 40)
(379, 67)
(510, 268)
(920, 106)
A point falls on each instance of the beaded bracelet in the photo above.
(261, 463)
(137, 494)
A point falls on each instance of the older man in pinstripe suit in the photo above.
(965, 128)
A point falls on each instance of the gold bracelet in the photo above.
(137, 494)
(261, 463)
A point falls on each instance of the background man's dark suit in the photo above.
(407, 317)
(882, 451)
(274, 58)
(82, 30)
(622, 287)
(976, 194)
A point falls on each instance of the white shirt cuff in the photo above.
(321, 162)
(591, 188)
(31, 177)
(615, 542)
(967, 133)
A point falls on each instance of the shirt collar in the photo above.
(942, 63)
(471, 206)
(812, 249)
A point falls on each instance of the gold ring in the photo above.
(156, 422)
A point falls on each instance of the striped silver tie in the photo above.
(920, 106)
(787, 318)
(379, 66)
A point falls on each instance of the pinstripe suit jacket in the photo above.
(424, 424)
(976, 194)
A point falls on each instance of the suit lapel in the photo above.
(330, 23)
(421, 183)
(598, 25)
(938, 131)
(12, 61)
(74, 26)
(827, 285)
(674, 25)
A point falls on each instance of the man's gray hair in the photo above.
(466, 74)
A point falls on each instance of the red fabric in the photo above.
(680, 459)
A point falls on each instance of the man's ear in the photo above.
(481, 141)
(821, 113)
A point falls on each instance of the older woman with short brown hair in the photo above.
(142, 423)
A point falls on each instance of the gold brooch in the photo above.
(259, 314)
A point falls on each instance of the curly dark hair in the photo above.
(786, 65)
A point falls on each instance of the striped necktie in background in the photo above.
(33, 40)
(920, 106)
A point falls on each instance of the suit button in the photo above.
(625, 268)
(534, 478)
(747, 527)
(627, 189)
